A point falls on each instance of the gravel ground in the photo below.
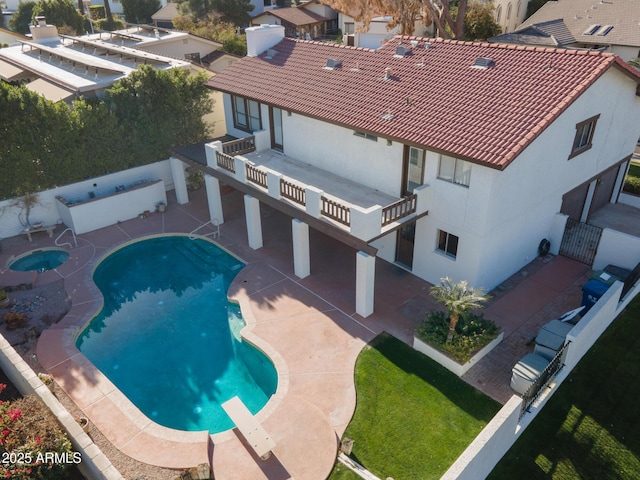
(44, 306)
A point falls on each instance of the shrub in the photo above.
(105, 24)
(632, 185)
(28, 430)
(14, 319)
(472, 333)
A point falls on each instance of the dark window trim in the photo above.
(577, 149)
(246, 128)
(445, 251)
(405, 168)
(368, 136)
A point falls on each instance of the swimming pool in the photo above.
(39, 260)
(168, 338)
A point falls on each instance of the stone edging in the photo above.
(95, 464)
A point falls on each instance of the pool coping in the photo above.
(58, 354)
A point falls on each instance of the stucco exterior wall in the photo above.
(624, 52)
(336, 149)
(502, 216)
(509, 20)
(180, 46)
(524, 198)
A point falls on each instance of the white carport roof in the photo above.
(9, 72)
(49, 90)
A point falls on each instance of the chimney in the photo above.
(388, 73)
(262, 38)
(43, 33)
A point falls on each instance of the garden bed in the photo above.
(449, 363)
(475, 337)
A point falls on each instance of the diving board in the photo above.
(249, 427)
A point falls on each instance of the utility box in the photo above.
(527, 371)
(551, 338)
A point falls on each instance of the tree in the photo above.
(480, 23)
(61, 13)
(449, 21)
(196, 8)
(403, 13)
(141, 101)
(22, 18)
(236, 12)
(139, 11)
(53, 144)
(457, 298)
(213, 29)
(448, 15)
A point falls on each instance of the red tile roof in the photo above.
(435, 99)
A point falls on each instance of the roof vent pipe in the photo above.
(387, 73)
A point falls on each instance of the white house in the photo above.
(61, 67)
(451, 158)
(510, 13)
(610, 26)
(355, 35)
(309, 20)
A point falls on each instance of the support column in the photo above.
(179, 181)
(301, 259)
(214, 199)
(365, 283)
(254, 223)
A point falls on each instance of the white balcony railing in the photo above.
(364, 222)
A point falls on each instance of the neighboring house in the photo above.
(378, 32)
(510, 13)
(61, 67)
(171, 43)
(610, 26)
(308, 21)
(164, 17)
(451, 158)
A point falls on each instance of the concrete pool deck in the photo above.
(308, 327)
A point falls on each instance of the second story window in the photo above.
(246, 114)
(454, 170)
(584, 136)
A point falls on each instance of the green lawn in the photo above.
(634, 170)
(590, 429)
(413, 418)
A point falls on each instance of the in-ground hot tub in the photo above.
(39, 260)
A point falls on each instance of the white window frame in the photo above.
(454, 170)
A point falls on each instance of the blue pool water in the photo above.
(39, 260)
(168, 338)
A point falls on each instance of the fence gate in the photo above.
(580, 241)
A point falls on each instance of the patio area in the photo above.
(308, 327)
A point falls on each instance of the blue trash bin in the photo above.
(591, 293)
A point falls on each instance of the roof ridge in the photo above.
(506, 46)
(328, 44)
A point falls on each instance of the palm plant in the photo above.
(457, 299)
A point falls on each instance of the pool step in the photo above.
(200, 257)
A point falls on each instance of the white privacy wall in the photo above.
(47, 210)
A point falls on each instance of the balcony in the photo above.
(363, 212)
